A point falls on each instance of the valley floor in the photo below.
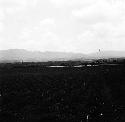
(66, 94)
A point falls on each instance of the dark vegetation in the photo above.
(33, 93)
(65, 63)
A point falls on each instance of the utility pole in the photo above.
(99, 50)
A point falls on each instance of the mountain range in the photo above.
(17, 55)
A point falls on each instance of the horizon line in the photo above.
(98, 51)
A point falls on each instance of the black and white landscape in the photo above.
(62, 60)
(62, 87)
(19, 55)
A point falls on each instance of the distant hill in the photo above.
(107, 54)
(18, 55)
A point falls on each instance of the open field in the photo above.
(65, 94)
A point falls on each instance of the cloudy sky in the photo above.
(62, 25)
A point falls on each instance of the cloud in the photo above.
(47, 21)
(2, 16)
(102, 36)
(13, 6)
(102, 23)
(62, 3)
(40, 36)
(37, 30)
(101, 11)
(63, 25)
(47, 42)
(1, 26)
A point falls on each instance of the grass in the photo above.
(41, 94)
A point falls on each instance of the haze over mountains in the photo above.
(15, 55)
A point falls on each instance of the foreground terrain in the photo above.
(65, 94)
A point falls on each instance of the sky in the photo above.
(62, 25)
